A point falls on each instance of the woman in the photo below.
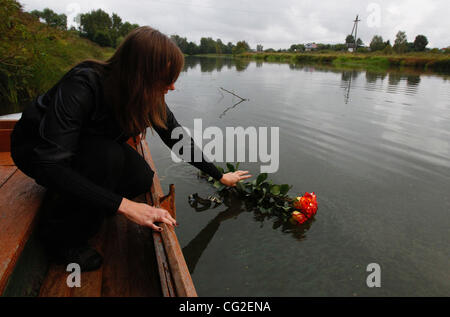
(72, 140)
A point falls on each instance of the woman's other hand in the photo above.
(231, 178)
(145, 215)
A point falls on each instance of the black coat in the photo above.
(47, 136)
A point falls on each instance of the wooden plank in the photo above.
(168, 202)
(29, 272)
(6, 159)
(115, 271)
(178, 268)
(55, 282)
(130, 267)
(5, 140)
(143, 268)
(6, 128)
(165, 276)
(5, 173)
(7, 123)
(20, 198)
(180, 272)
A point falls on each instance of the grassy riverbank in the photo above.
(34, 56)
(425, 61)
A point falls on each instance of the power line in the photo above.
(355, 28)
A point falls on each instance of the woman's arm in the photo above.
(228, 179)
(165, 134)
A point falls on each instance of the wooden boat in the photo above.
(137, 260)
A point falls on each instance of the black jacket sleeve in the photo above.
(165, 134)
(59, 132)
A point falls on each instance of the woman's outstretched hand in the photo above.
(231, 178)
(145, 215)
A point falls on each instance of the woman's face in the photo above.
(171, 87)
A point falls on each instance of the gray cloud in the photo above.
(276, 24)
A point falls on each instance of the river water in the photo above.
(373, 146)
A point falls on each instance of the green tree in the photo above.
(377, 43)
(102, 38)
(420, 43)
(115, 29)
(387, 48)
(297, 48)
(51, 18)
(401, 42)
(181, 42)
(241, 47)
(349, 39)
(207, 45)
(126, 28)
(93, 22)
(229, 48)
(192, 48)
(220, 47)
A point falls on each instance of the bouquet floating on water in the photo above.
(269, 199)
(306, 208)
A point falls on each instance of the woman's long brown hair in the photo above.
(142, 67)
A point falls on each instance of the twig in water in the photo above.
(243, 99)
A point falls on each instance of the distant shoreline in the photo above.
(378, 62)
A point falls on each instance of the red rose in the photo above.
(307, 204)
(299, 217)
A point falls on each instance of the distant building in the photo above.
(310, 47)
(351, 47)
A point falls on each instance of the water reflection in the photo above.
(235, 206)
(348, 76)
(372, 77)
(231, 107)
(346, 82)
(215, 64)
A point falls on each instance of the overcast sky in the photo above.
(276, 24)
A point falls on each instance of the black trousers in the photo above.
(65, 221)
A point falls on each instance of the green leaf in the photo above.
(237, 166)
(230, 167)
(261, 178)
(220, 169)
(210, 178)
(217, 184)
(240, 187)
(275, 190)
(264, 211)
(284, 188)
